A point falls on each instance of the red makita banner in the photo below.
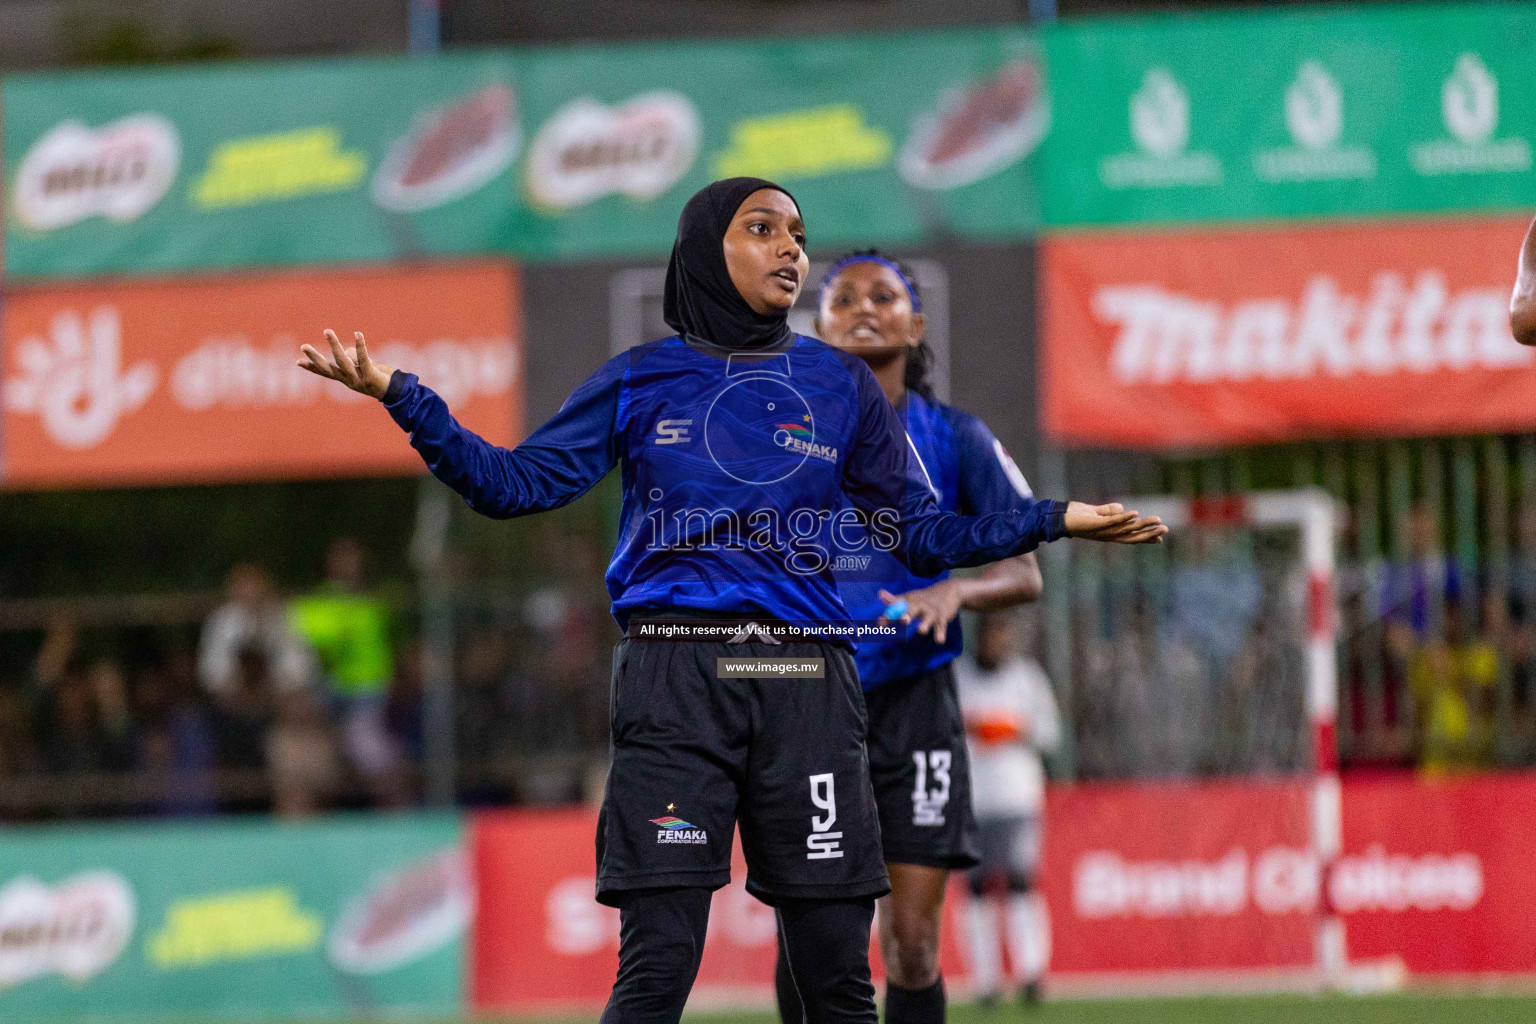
(1197, 338)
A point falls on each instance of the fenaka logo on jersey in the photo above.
(673, 431)
(671, 830)
(800, 438)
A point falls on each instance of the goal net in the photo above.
(1199, 682)
(1211, 654)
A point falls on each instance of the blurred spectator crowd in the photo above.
(1438, 659)
(1185, 660)
(306, 703)
(1190, 660)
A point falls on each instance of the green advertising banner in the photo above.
(349, 917)
(1332, 112)
(882, 139)
(234, 165)
(543, 154)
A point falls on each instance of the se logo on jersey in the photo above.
(672, 431)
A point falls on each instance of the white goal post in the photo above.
(1314, 513)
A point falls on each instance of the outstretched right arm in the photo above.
(555, 465)
(883, 475)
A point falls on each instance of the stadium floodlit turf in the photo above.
(1299, 1009)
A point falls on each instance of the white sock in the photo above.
(1029, 935)
(985, 943)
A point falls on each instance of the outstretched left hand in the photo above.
(354, 369)
(1113, 524)
(932, 608)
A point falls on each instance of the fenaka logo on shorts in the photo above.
(672, 829)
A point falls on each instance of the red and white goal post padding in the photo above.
(1313, 513)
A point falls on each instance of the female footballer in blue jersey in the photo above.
(741, 446)
(870, 307)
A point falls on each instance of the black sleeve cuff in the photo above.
(396, 385)
(1056, 520)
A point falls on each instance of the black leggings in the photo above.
(661, 940)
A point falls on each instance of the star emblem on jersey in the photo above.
(673, 830)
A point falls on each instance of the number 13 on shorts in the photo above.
(823, 843)
(928, 802)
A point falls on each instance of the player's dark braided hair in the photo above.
(920, 358)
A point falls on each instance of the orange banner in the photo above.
(195, 381)
(1199, 338)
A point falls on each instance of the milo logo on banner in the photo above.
(1469, 108)
(119, 171)
(1159, 124)
(587, 150)
(76, 928)
(1314, 116)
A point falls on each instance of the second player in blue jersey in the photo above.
(869, 307)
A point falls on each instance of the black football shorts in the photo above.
(920, 771)
(695, 753)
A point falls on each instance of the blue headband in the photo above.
(846, 261)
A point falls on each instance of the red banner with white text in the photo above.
(1143, 883)
(1189, 338)
(544, 945)
(1441, 874)
(196, 380)
(1179, 877)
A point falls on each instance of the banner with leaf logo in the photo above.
(1327, 112)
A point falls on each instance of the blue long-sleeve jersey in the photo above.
(735, 468)
(968, 472)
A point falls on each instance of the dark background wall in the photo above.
(991, 310)
(49, 33)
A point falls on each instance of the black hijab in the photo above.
(700, 299)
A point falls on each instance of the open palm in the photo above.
(355, 369)
(1113, 524)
